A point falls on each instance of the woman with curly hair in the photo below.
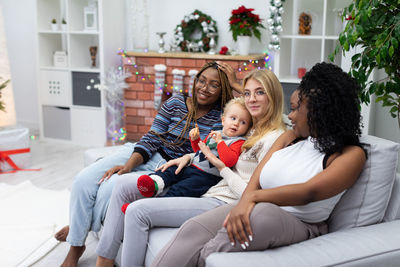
(295, 187)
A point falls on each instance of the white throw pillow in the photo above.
(366, 201)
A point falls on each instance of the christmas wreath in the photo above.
(192, 23)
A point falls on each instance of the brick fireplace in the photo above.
(139, 104)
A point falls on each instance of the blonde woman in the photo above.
(264, 100)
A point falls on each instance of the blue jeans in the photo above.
(89, 200)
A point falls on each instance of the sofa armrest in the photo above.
(93, 154)
(374, 245)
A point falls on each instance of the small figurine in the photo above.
(93, 53)
(305, 21)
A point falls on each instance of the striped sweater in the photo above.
(171, 112)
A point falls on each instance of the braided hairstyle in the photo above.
(192, 105)
(333, 115)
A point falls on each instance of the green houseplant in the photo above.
(374, 25)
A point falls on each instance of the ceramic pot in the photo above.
(243, 45)
(54, 26)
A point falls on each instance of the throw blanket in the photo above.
(29, 218)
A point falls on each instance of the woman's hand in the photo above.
(237, 223)
(120, 169)
(179, 162)
(219, 164)
(230, 73)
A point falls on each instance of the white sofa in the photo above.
(364, 226)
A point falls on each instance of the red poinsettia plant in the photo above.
(244, 22)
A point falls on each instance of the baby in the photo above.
(196, 179)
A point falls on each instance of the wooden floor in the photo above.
(59, 162)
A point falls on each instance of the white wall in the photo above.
(19, 21)
(165, 15)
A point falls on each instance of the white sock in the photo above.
(160, 183)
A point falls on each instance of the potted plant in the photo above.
(243, 24)
(63, 25)
(375, 27)
(3, 85)
(54, 25)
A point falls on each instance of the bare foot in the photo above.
(73, 256)
(104, 262)
(62, 234)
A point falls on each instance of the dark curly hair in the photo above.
(333, 116)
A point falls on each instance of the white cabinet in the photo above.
(63, 104)
(303, 51)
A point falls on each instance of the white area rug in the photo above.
(29, 218)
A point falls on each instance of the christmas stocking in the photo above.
(159, 84)
(192, 74)
(177, 82)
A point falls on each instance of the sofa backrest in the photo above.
(366, 201)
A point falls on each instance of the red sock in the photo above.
(124, 207)
(146, 186)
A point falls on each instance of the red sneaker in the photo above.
(146, 186)
(124, 207)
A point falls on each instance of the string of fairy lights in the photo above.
(246, 65)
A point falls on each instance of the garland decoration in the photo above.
(275, 23)
(196, 21)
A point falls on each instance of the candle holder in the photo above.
(212, 43)
(161, 42)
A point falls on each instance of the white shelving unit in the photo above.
(299, 51)
(71, 105)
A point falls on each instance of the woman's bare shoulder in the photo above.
(286, 138)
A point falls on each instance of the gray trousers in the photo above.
(140, 217)
(204, 234)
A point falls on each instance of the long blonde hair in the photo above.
(272, 120)
(192, 105)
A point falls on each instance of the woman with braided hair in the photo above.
(166, 140)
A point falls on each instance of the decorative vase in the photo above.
(243, 45)
(212, 43)
(161, 42)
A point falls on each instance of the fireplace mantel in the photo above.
(194, 56)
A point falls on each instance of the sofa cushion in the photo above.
(369, 246)
(393, 209)
(366, 201)
(158, 238)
